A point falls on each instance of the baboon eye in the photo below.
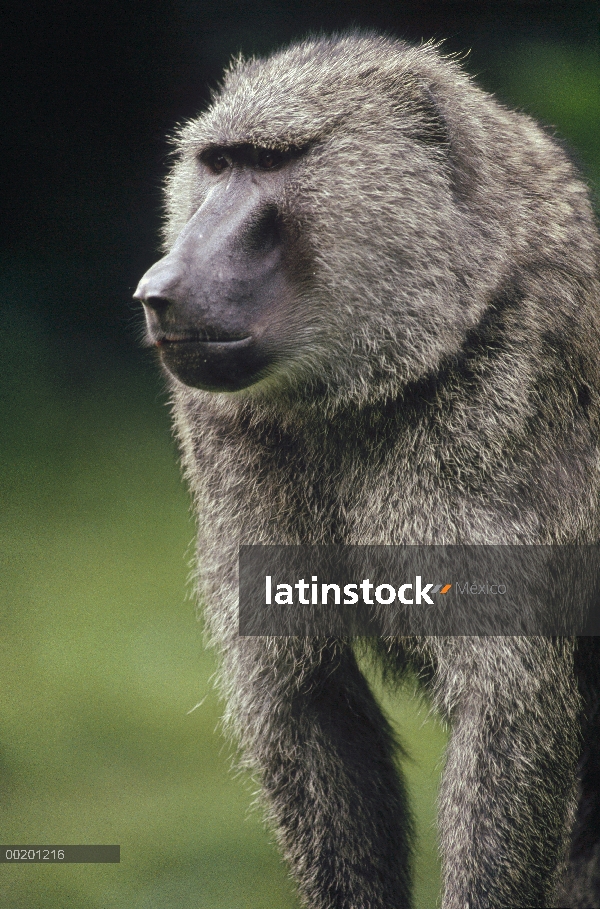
(269, 158)
(216, 161)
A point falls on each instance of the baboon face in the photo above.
(316, 247)
(217, 306)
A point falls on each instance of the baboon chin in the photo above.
(378, 311)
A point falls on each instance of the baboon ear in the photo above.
(426, 122)
(430, 127)
(438, 132)
(430, 124)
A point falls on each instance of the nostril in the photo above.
(161, 284)
(158, 304)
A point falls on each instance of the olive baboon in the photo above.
(379, 314)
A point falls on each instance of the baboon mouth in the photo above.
(218, 364)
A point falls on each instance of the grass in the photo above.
(102, 661)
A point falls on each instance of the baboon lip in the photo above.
(189, 342)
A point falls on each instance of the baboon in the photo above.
(378, 312)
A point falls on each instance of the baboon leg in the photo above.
(581, 886)
(325, 754)
(508, 794)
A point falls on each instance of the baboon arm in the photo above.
(325, 755)
(508, 793)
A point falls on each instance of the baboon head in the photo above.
(316, 236)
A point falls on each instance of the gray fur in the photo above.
(438, 383)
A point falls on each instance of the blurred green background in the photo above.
(109, 726)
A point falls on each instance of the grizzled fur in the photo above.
(438, 383)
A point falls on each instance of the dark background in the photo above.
(100, 655)
(92, 89)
